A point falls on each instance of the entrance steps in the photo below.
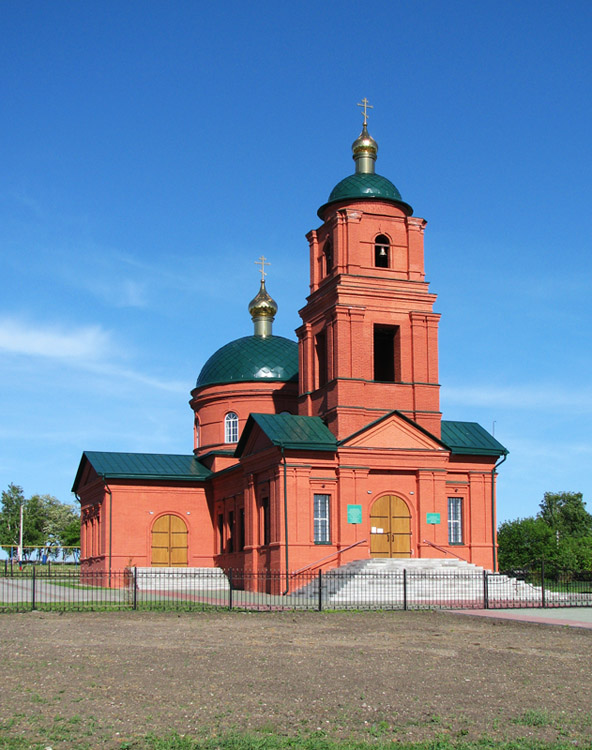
(443, 582)
(187, 580)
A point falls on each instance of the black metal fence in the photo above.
(63, 588)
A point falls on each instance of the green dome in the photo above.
(252, 358)
(366, 186)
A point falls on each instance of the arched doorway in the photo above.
(169, 542)
(390, 528)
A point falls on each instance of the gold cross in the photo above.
(262, 262)
(364, 103)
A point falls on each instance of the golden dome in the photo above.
(263, 304)
(263, 309)
(365, 145)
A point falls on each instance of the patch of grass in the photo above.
(64, 731)
(534, 717)
(315, 741)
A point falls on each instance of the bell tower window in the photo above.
(381, 251)
(328, 257)
(386, 339)
(231, 428)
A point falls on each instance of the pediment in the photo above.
(394, 432)
(257, 441)
(86, 475)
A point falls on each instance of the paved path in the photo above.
(575, 617)
(19, 591)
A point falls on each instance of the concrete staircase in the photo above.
(425, 582)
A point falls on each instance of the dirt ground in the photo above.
(105, 679)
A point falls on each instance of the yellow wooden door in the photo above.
(400, 528)
(380, 527)
(169, 542)
(390, 528)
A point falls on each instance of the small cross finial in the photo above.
(262, 262)
(366, 107)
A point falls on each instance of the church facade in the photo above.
(316, 452)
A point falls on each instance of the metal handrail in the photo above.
(445, 551)
(327, 557)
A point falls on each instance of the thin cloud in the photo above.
(535, 396)
(18, 337)
(89, 348)
(121, 373)
(124, 293)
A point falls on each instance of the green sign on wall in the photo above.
(354, 514)
(432, 518)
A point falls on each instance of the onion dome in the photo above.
(263, 309)
(365, 184)
(365, 151)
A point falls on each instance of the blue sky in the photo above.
(151, 151)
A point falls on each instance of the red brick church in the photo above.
(319, 451)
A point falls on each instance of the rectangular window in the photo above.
(220, 533)
(266, 521)
(385, 353)
(455, 530)
(322, 531)
(321, 351)
(231, 531)
(241, 529)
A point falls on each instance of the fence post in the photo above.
(405, 589)
(230, 589)
(485, 590)
(543, 596)
(6, 567)
(135, 585)
(320, 604)
(33, 589)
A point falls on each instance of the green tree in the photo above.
(57, 517)
(523, 541)
(12, 499)
(71, 534)
(561, 533)
(566, 514)
(47, 522)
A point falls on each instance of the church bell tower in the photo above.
(368, 343)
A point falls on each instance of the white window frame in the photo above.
(322, 518)
(455, 520)
(231, 427)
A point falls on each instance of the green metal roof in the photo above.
(363, 186)
(290, 431)
(252, 358)
(153, 466)
(469, 438)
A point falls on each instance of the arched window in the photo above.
(381, 251)
(328, 253)
(231, 428)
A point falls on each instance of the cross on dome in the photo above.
(262, 262)
(366, 106)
